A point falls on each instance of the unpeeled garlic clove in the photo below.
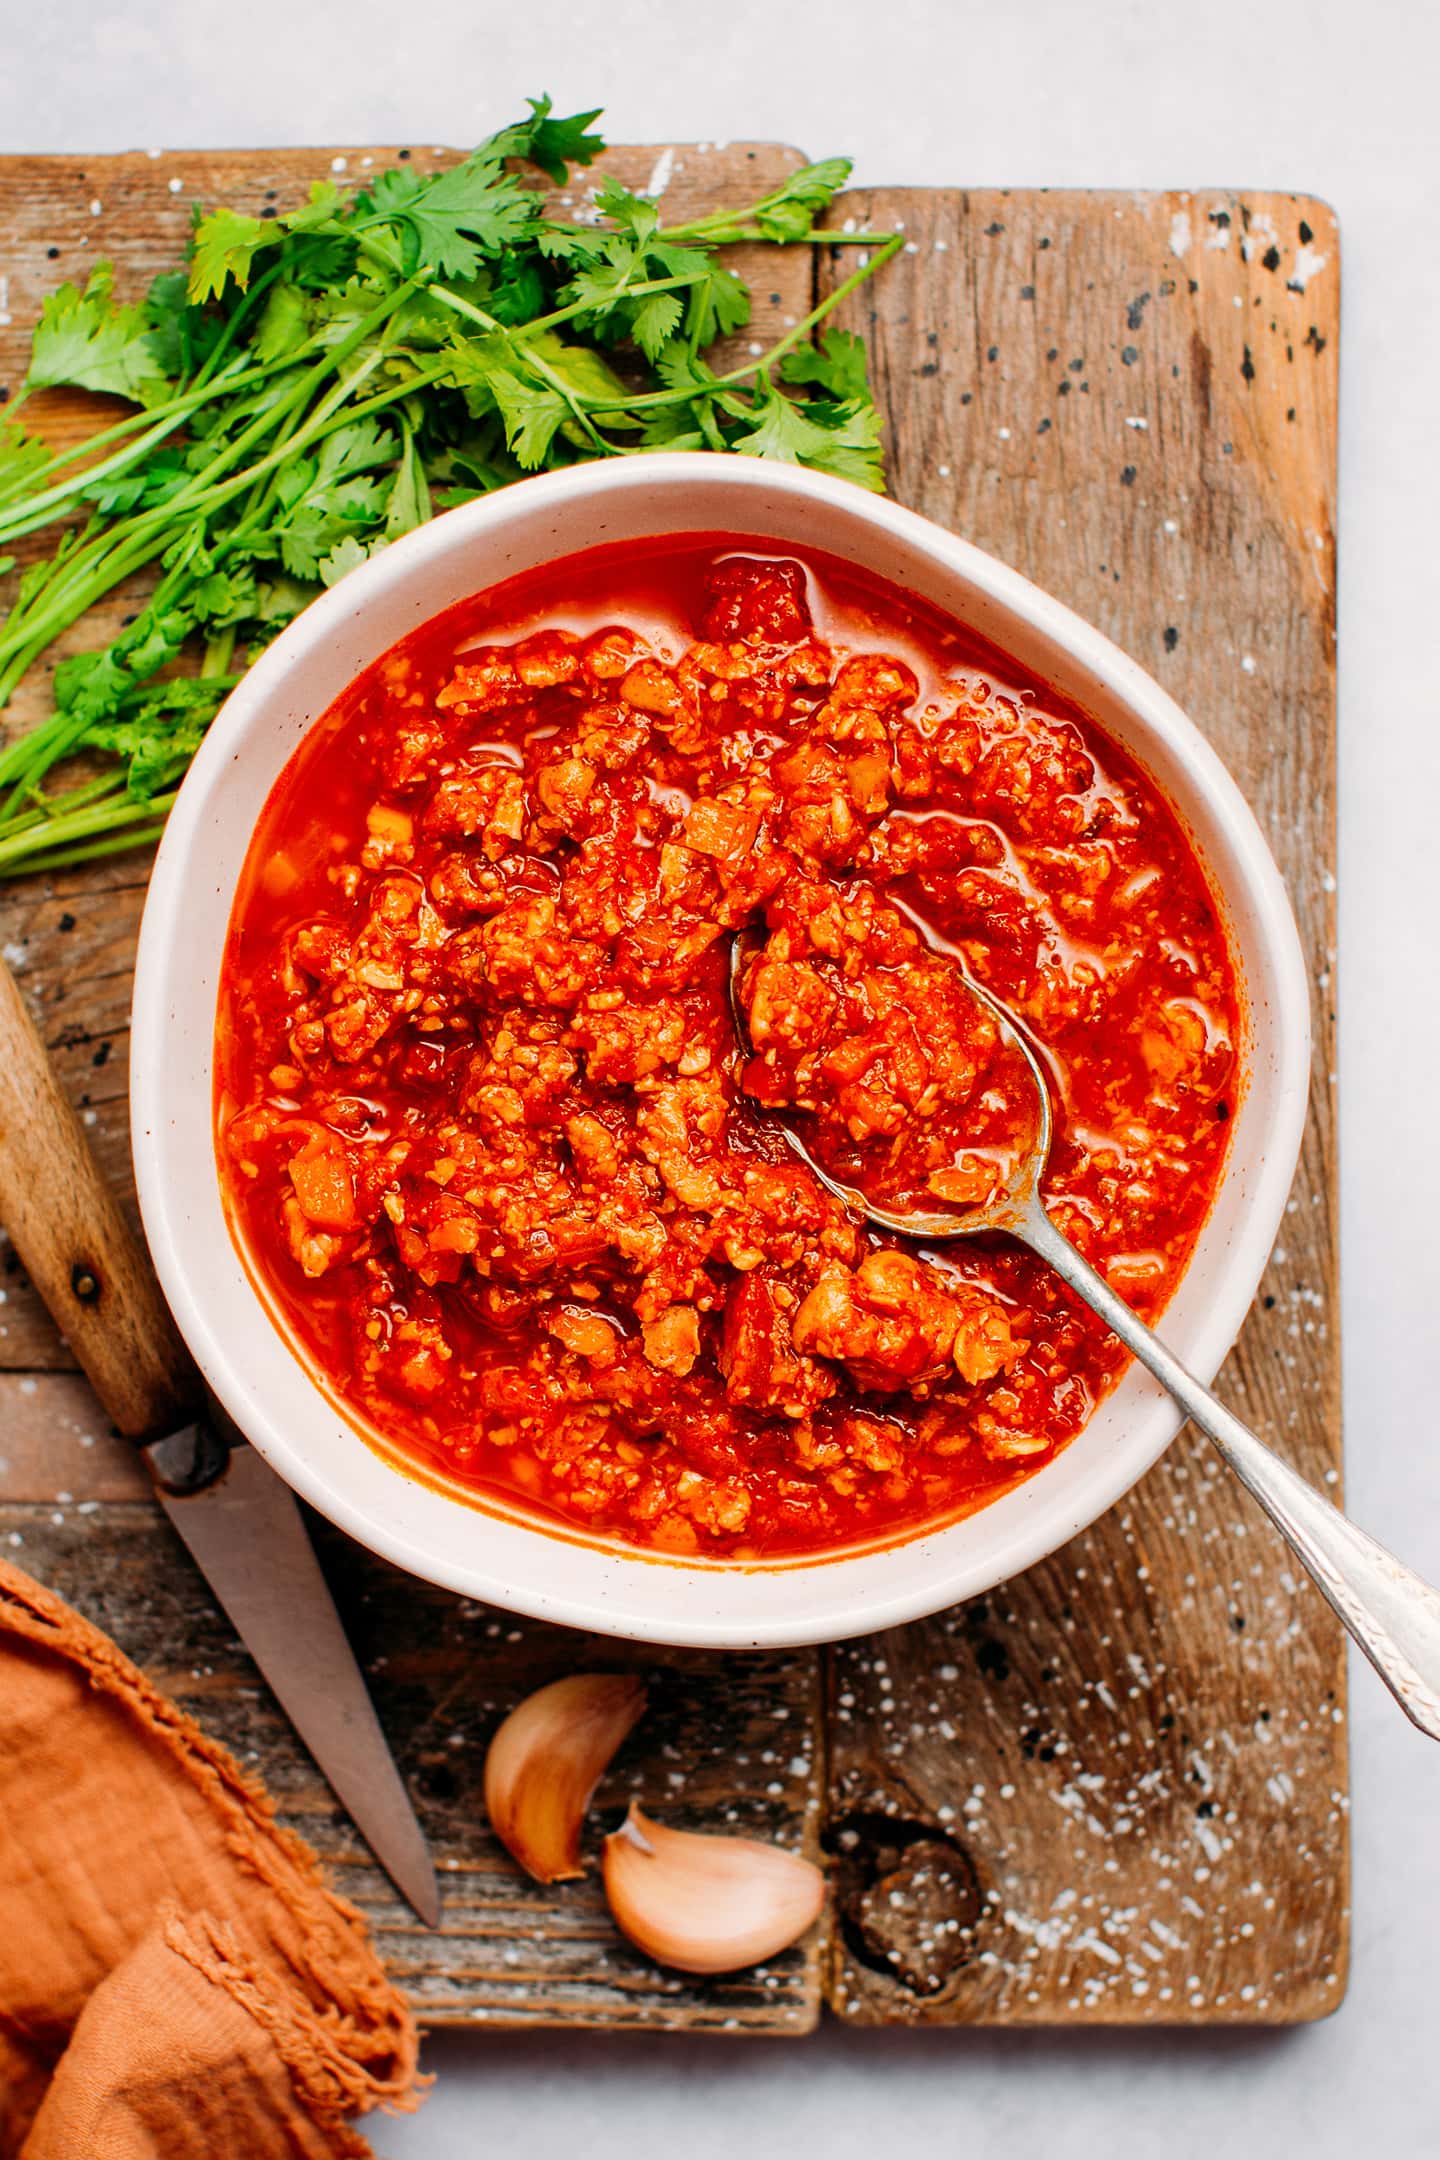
(707, 1904)
(546, 1760)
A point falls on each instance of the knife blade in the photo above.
(239, 1521)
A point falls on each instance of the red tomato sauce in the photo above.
(491, 1148)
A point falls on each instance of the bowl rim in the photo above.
(217, 1346)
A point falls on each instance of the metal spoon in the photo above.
(1393, 1615)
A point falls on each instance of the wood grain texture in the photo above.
(733, 1739)
(1115, 1790)
(725, 1742)
(64, 1222)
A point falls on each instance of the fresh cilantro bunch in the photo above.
(312, 386)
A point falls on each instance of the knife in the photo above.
(240, 1522)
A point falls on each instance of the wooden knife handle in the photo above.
(76, 1245)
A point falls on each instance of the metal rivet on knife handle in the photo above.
(75, 1244)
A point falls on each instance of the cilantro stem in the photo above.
(149, 533)
(794, 336)
(540, 323)
(170, 417)
(77, 836)
(249, 506)
(41, 510)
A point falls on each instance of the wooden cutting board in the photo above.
(1114, 1791)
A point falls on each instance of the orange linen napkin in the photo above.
(175, 1979)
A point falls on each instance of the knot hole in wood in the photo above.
(907, 1898)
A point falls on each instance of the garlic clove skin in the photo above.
(545, 1761)
(707, 1904)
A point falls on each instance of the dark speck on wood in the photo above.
(1271, 258)
(1127, 476)
(1172, 637)
(1247, 367)
(992, 229)
(1306, 236)
(1027, 292)
(1130, 354)
(1136, 310)
(992, 1659)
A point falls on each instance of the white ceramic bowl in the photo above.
(504, 1558)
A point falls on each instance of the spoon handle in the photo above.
(1393, 1615)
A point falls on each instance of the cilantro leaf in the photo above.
(225, 598)
(563, 243)
(88, 340)
(848, 445)
(837, 365)
(182, 337)
(553, 145)
(717, 303)
(93, 686)
(409, 505)
(518, 293)
(285, 323)
(579, 369)
(655, 321)
(447, 222)
(278, 600)
(599, 282)
(678, 427)
(319, 211)
(223, 246)
(790, 213)
(158, 733)
(143, 486)
(345, 556)
(636, 214)
(359, 447)
(531, 414)
(481, 332)
(323, 518)
(21, 456)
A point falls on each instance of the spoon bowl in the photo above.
(1392, 1614)
(1009, 1208)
